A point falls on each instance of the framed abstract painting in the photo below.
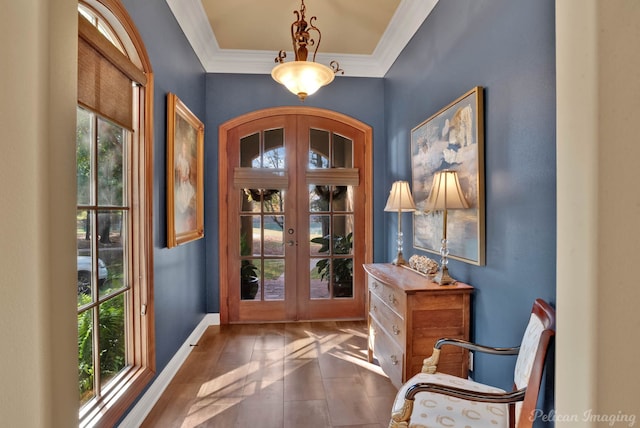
(451, 139)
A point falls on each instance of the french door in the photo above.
(294, 216)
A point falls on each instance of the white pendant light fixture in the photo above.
(303, 77)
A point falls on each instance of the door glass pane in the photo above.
(329, 150)
(250, 200)
(249, 279)
(331, 236)
(342, 231)
(330, 198)
(341, 266)
(319, 149)
(273, 200)
(262, 244)
(342, 152)
(318, 234)
(112, 338)
(318, 198)
(274, 235)
(319, 275)
(263, 150)
(274, 279)
(342, 279)
(250, 248)
(273, 153)
(84, 161)
(111, 153)
(250, 236)
(342, 198)
(250, 150)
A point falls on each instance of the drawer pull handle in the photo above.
(392, 299)
(396, 330)
(394, 360)
(375, 308)
(375, 285)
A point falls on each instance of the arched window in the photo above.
(114, 236)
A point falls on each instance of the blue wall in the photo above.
(231, 95)
(179, 273)
(508, 48)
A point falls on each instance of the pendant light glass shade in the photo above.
(302, 78)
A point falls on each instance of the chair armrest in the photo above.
(400, 418)
(476, 347)
(465, 394)
(430, 364)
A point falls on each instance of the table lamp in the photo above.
(400, 200)
(445, 195)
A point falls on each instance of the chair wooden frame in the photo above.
(527, 395)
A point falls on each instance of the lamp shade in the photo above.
(302, 77)
(446, 193)
(400, 198)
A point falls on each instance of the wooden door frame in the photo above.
(223, 170)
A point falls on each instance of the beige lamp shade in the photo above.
(400, 198)
(446, 193)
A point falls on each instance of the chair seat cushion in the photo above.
(435, 410)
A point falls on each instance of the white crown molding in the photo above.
(403, 25)
(193, 20)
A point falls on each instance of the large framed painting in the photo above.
(451, 139)
(185, 174)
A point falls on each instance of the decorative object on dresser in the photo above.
(445, 195)
(400, 200)
(407, 314)
(431, 396)
(423, 265)
(453, 138)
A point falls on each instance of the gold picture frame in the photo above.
(185, 174)
(453, 138)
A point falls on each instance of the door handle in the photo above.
(291, 243)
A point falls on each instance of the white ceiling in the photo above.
(244, 36)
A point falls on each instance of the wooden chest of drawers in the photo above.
(407, 314)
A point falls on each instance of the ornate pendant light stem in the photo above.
(303, 77)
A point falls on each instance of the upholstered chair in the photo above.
(432, 399)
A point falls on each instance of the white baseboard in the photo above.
(142, 408)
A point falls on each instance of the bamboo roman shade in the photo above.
(105, 76)
(260, 178)
(334, 176)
